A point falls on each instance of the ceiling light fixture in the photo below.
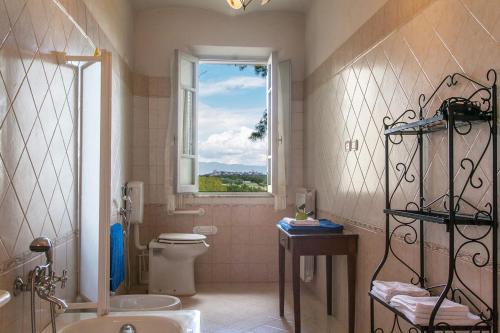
(238, 4)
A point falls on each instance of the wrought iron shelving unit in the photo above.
(456, 117)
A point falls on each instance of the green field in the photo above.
(233, 183)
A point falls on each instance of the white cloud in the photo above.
(213, 120)
(233, 147)
(229, 85)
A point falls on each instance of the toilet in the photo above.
(171, 263)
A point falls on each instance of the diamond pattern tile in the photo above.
(24, 180)
(14, 9)
(25, 37)
(47, 179)
(11, 144)
(37, 147)
(48, 119)
(4, 23)
(4, 101)
(11, 65)
(39, 19)
(25, 110)
(23, 238)
(37, 122)
(57, 150)
(57, 92)
(57, 208)
(4, 181)
(12, 217)
(38, 81)
(385, 82)
(36, 213)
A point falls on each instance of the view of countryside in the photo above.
(236, 178)
(232, 128)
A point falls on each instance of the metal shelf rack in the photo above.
(455, 117)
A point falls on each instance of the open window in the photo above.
(186, 101)
(197, 161)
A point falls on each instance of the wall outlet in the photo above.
(351, 145)
(354, 145)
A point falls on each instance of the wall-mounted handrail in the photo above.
(199, 212)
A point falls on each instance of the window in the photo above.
(228, 132)
(232, 127)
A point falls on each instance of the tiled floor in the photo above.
(253, 308)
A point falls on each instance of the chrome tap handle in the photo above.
(64, 278)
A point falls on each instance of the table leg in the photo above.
(329, 285)
(351, 277)
(296, 290)
(282, 279)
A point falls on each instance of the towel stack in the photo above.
(418, 310)
(386, 290)
(309, 222)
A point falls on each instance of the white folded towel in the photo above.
(423, 306)
(467, 319)
(380, 294)
(310, 222)
(388, 289)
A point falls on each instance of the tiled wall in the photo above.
(151, 114)
(38, 165)
(244, 248)
(383, 75)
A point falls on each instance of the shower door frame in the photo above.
(103, 287)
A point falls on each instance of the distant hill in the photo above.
(209, 167)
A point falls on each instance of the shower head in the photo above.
(42, 244)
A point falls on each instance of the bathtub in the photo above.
(182, 321)
(122, 303)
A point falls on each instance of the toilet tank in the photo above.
(135, 191)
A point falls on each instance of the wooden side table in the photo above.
(317, 244)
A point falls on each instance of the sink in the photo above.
(4, 297)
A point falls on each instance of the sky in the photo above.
(231, 103)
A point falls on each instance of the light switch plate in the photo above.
(347, 146)
(354, 145)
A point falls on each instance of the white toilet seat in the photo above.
(178, 238)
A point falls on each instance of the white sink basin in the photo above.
(187, 321)
(4, 297)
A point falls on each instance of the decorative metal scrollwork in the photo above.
(457, 115)
(408, 114)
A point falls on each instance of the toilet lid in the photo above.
(182, 238)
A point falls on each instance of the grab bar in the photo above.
(199, 212)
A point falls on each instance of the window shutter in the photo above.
(282, 138)
(272, 121)
(185, 96)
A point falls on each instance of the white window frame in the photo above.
(272, 120)
(178, 138)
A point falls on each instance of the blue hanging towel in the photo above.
(325, 225)
(117, 256)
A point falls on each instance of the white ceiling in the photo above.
(221, 6)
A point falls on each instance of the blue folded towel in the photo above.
(325, 225)
(117, 256)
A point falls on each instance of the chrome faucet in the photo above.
(42, 281)
(128, 328)
(43, 278)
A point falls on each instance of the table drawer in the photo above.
(284, 240)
